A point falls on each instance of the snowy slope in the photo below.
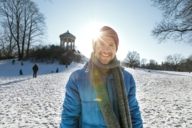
(25, 102)
(165, 98)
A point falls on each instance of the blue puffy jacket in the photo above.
(80, 107)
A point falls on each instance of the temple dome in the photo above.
(67, 35)
(67, 40)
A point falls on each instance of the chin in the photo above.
(105, 62)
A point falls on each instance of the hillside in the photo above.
(164, 97)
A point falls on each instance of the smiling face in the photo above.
(105, 50)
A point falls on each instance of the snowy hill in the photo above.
(164, 97)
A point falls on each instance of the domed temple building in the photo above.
(67, 41)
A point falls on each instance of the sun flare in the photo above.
(92, 30)
(88, 33)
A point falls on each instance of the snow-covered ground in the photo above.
(165, 98)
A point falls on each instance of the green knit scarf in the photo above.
(97, 70)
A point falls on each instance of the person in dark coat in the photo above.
(35, 70)
(57, 70)
(20, 72)
(102, 94)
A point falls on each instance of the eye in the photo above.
(111, 44)
(101, 43)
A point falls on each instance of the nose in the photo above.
(106, 48)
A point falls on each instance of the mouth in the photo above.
(105, 55)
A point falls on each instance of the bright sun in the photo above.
(87, 34)
(92, 29)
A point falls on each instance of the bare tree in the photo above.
(153, 64)
(143, 62)
(132, 59)
(35, 25)
(177, 22)
(24, 22)
(6, 43)
(173, 61)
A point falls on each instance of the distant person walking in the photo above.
(35, 70)
(57, 70)
(13, 61)
(20, 72)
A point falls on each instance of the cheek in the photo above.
(96, 53)
(114, 52)
(97, 49)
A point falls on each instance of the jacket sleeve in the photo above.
(71, 106)
(133, 105)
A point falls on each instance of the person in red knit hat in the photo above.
(101, 94)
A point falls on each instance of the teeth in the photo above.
(105, 55)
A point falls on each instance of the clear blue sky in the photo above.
(132, 19)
